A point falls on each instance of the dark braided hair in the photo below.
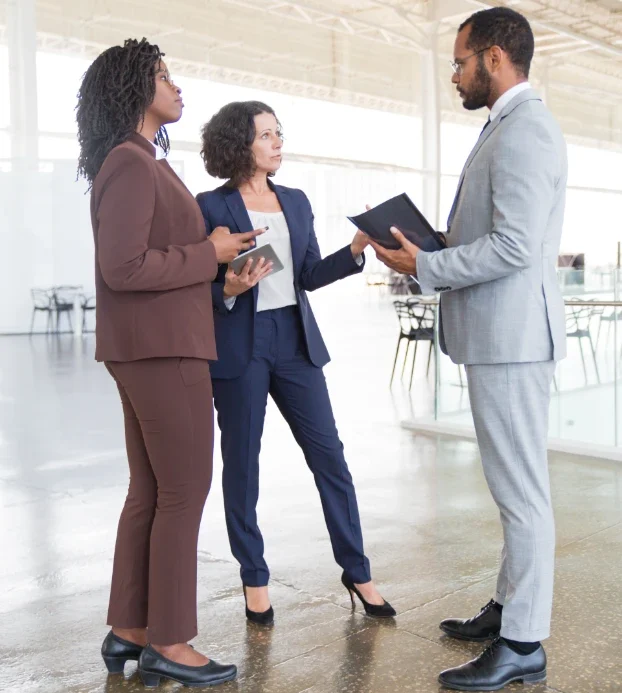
(115, 92)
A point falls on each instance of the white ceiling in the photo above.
(364, 52)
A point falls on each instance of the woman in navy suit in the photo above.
(269, 343)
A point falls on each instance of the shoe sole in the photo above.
(257, 624)
(529, 679)
(457, 636)
(190, 685)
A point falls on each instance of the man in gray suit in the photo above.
(502, 315)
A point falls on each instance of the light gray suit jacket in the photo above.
(500, 300)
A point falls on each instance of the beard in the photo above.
(479, 93)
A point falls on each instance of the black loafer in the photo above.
(152, 667)
(116, 651)
(497, 666)
(485, 626)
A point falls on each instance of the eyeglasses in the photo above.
(457, 65)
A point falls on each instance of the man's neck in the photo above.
(497, 93)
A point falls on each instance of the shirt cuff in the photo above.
(229, 302)
(359, 260)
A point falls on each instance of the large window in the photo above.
(316, 132)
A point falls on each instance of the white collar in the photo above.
(505, 99)
(160, 153)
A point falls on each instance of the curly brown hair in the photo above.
(227, 139)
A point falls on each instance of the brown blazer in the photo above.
(153, 262)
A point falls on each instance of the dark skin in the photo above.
(480, 82)
(166, 108)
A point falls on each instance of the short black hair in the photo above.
(114, 95)
(506, 28)
(227, 139)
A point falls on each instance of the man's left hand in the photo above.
(403, 260)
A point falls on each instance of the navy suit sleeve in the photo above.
(218, 285)
(317, 271)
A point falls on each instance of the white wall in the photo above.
(45, 237)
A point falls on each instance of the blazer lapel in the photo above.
(295, 224)
(236, 206)
(527, 95)
(482, 138)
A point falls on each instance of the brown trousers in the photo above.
(169, 434)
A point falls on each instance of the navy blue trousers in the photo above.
(280, 368)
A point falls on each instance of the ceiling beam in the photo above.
(333, 21)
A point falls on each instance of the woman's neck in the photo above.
(257, 185)
(148, 128)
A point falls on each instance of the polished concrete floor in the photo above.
(431, 532)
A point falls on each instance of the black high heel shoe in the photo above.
(116, 651)
(261, 618)
(376, 610)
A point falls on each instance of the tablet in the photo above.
(264, 251)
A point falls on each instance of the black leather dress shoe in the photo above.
(116, 651)
(152, 667)
(497, 666)
(485, 626)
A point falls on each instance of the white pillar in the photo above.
(22, 44)
(19, 237)
(431, 130)
(545, 82)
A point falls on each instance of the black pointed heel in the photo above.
(261, 618)
(376, 610)
(116, 652)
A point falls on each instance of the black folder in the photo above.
(400, 212)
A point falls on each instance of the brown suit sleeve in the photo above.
(125, 213)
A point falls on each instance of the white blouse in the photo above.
(274, 291)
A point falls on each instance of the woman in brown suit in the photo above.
(153, 271)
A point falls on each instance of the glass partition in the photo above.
(585, 397)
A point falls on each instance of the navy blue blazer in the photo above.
(235, 329)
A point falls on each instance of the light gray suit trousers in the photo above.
(510, 404)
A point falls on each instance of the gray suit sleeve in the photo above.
(524, 172)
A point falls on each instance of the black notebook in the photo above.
(400, 212)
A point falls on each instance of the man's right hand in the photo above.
(229, 245)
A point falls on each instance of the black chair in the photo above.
(87, 303)
(416, 322)
(63, 302)
(42, 302)
(399, 284)
(578, 326)
(609, 315)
